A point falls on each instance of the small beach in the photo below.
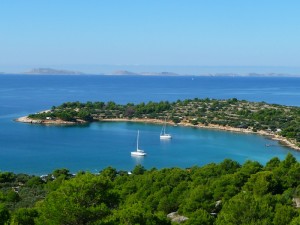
(284, 141)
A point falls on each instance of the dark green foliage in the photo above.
(34, 182)
(135, 214)
(226, 187)
(224, 193)
(295, 221)
(263, 183)
(24, 216)
(85, 115)
(7, 177)
(138, 169)
(110, 173)
(272, 164)
(244, 208)
(229, 166)
(4, 214)
(12, 196)
(83, 200)
(65, 173)
(284, 214)
(200, 217)
(200, 197)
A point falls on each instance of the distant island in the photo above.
(276, 121)
(49, 71)
(125, 72)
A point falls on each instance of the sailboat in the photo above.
(163, 134)
(138, 151)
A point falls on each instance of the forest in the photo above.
(253, 116)
(225, 193)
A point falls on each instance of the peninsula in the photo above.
(276, 121)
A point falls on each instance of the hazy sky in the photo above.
(153, 32)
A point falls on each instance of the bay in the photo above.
(40, 149)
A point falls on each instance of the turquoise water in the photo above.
(99, 145)
(40, 149)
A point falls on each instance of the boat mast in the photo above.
(137, 140)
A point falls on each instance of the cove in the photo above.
(95, 146)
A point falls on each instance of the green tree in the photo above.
(4, 214)
(61, 172)
(7, 177)
(283, 214)
(226, 186)
(82, 200)
(24, 216)
(272, 164)
(288, 161)
(109, 172)
(12, 196)
(245, 209)
(295, 221)
(136, 214)
(200, 217)
(138, 170)
(199, 198)
(85, 115)
(34, 182)
(229, 166)
(263, 183)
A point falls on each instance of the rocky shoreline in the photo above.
(284, 141)
(26, 119)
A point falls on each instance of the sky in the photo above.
(209, 33)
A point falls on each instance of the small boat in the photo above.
(163, 134)
(138, 151)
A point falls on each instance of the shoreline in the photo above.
(26, 119)
(284, 141)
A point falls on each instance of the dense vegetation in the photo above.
(284, 120)
(224, 193)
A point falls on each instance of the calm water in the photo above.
(40, 149)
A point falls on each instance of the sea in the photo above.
(39, 149)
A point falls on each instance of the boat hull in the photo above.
(138, 153)
(165, 136)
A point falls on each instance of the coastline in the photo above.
(284, 141)
(26, 119)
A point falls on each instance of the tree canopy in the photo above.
(223, 193)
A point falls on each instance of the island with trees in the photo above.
(277, 121)
(222, 193)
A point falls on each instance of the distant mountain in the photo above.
(248, 75)
(125, 72)
(270, 75)
(49, 71)
(160, 73)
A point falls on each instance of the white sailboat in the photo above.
(163, 134)
(138, 151)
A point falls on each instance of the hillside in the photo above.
(224, 193)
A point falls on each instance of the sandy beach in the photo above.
(284, 141)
